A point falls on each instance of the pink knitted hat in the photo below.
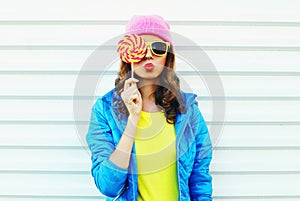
(149, 24)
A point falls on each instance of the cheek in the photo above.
(161, 60)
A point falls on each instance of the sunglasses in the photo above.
(158, 48)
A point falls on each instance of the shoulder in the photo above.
(189, 99)
(192, 107)
(107, 97)
(105, 101)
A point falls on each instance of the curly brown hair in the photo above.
(167, 96)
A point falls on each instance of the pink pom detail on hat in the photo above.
(149, 24)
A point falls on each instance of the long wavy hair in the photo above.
(167, 95)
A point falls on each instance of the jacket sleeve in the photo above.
(200, 181)
(109, 178)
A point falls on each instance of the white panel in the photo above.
(58, 35)
(276, 61)
(245, 86)
(231, 136)
(255, 160)
(48, 60)
(255, 111)
(62, 110)
(40, 135)
(63, 85)
(45, 159)
(48, 184)
(71, 60)
(257, 185)
(50, 84)
(266, 136)
(75, 185)
(201, 35)
(48, 198)
(240, 36)
(228, 10)
(224, 161)
(258, 198)
(250, 162)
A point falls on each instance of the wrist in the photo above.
(134, 119)
(131, 126)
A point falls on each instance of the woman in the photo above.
(148, 139)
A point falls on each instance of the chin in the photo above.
(149, 77)
(148, 74)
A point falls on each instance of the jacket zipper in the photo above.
(178, 156)
(121, 193)
(178, 177)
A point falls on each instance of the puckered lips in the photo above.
(149, 66)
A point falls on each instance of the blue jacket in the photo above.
(193, 149)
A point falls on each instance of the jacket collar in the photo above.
(182, 119)
(188, 99)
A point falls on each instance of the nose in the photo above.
(148, 54)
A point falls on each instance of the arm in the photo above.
(133, 101)
(121, 155)
(109, 177)
(110, 163)
(200, 181)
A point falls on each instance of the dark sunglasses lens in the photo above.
(159, 47)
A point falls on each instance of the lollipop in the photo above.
(132, 48)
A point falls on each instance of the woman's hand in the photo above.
(133, 101)
(132, 98)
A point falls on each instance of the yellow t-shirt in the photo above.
(155, 146)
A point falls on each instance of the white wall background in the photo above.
(255, 46)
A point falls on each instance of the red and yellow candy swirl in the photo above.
(132, 48)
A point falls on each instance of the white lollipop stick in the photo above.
(134, 100)
(132, 70)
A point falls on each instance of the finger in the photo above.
(139, 98)
(129, 82)
(133, 88)
(129, 93)
(134, 96)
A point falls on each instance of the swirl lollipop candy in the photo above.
(132, 48)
